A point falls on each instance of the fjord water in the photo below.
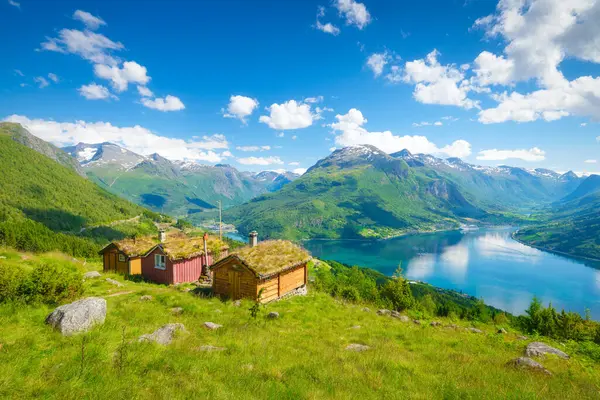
(487, 264)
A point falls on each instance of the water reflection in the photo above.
(486, 264)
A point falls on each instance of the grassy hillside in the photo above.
(361, 197)
(47, 206)
(300, 355)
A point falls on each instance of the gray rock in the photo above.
(212, 326)
(79, 316)
(404, 318)
(395, 314)
(384, 312)
(357, 347)
(528, 363)
(356, 327)
(452, 326)
(237, 303)
(538, 349)
(502, 331)
(521, 337)
(146, 297)
(435, 323)
(366, 309)
(163, 335)
(116, 283)
(417, 321)
(177, 310)
(474, 330)
(273, 315)
(92, 275)
(209, 348)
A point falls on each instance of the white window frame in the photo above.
(160, 261)
(122, 257)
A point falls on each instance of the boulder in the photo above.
(357, 347)
(366, 309)
(92, 275)
(404, 318)
(538, 349)
(116, 283)
(177, 310)
(528, 363)
(79, 316)
(212, 326)
(384, 312)
(273, 315)
(163, 335)
(209, 348)
(474, 330)
(146, 297)
(395, 314)
(435, 323)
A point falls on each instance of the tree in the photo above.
(397, 291)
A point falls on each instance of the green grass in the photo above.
(301, 355)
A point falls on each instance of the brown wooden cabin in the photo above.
(276, 266)
(179, 259)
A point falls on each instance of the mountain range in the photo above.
(178, 188)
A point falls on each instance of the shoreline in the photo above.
(556, 252)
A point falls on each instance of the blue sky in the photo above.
(278, 85)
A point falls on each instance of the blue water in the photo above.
(487, 264)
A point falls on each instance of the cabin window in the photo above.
(121, 257)
(159, 261)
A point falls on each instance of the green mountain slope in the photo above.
(356, 192)
(571, 226)
(47, 206)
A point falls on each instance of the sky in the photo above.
(278, 85)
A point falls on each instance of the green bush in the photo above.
(350, 293)
(49, 282)
(397, 292)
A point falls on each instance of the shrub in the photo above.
(11, 278)
(350, 293)
(397, 292)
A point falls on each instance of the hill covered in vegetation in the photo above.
(45, 205)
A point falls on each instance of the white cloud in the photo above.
(41, 81)
(533, 154)
(90, 21)
(425, 123)
(136, 138)
(94, 92)
(395, 74)
(583, 124)
(299, 171)
(53, 77)
(240, 107)
(144, 91)
(294, 137)
(280, 134)
(437, 84)
(328, 28)
(332, 149)
(169, 103)
(260, 161)
(88, 45)
(14, 4)
(311, 100)
(253, 148)
(131, 72)
(18, 72)
(493, 70)
(350, 131)
(289, 115)
(294, 163)
(591, 161)
(354, 12)
(376, 62)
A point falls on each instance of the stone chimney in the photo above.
(162, 236)
(253, 239)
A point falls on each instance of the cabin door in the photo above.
(112, 262)
(234, 284)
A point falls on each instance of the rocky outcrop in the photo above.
(528, 363)
(92, 275)
(538, 349)
(212, 326)
(163, 335)
(79, 316)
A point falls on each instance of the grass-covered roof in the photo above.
(177, 246)
(272, 256)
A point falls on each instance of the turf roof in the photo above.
(272, 256)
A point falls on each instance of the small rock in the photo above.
(502, 331)
(237, 303)
(538, 349)
(212, 326)
(435, 323)
(92, 275)
(209, 348)
(474, 330)
(452, 326)
(366, 309)
(384, 312)
(248, 367)
(416, 321)
(79, 316)
(177, 310)
(273, 315)
(525, 362)
(357, 347)
(146, 297)
(116, 283)
(404, 318)
(355, 327)
(521, 337)
(163, 335)
(395, 314)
